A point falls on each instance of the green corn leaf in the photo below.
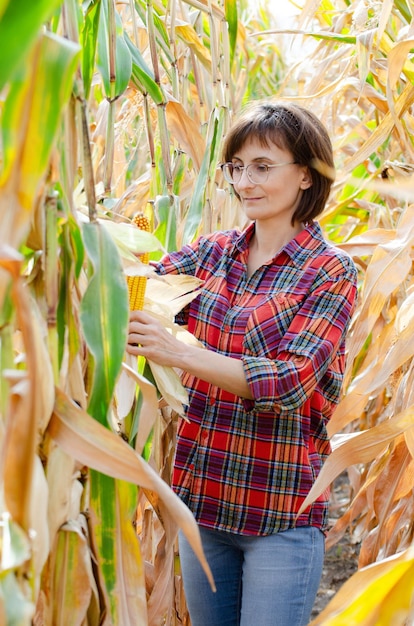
(230, 8)
(195, 211)
(112, 506)
(72, 576)
(71, 260)
(89, 39)
(31, 119)
(113, 87)
(17, 610)
(20, 24)
(166, 231)
(142, 76)
(3, 6)
(104, 316)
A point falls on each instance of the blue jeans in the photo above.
(261, 581)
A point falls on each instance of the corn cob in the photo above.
(137, 284)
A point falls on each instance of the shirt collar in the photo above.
(241, 240)
(299, 249)
(306, 243)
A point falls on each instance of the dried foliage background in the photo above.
(110, 108)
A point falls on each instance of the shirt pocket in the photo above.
(269, 322)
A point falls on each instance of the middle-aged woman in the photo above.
(272, 315)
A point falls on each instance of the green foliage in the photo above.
(25, 18)
(104, 315)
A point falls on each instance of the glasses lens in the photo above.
(258, 172)
(227, 170)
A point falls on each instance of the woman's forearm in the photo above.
(225, 372)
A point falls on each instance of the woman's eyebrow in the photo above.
(255, 160)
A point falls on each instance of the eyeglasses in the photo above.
(257, 173)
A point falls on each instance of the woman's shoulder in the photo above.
(219, 240)
(327, 256)
(222, 237)
(336, 262)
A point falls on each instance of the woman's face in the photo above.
(276, 198)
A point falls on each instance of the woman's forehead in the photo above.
(264, 141)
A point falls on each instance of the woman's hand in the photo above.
(148, 338)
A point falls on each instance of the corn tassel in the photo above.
(137, 284)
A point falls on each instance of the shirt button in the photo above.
(226, 328)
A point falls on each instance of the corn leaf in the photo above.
(20, 24)
(15, 608)
(89, 39)
(114, 86)
(142, 76)
(195, 211)
(378, 594)
(166, 231)
(389, 264)
(64, 490)
(191, 38)
(104, 315)
(130, 237)
(97, 447)
(359, 447)
(186, 132)
(14, 544)
(112, 505)
(149, 406)
(31, 402)
(31, 119)
(230, 10)
(72, 577)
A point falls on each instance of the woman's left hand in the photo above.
(148, 338)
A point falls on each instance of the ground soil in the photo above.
(341, 561)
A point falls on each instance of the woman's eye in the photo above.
(237, 168)
(261, 168)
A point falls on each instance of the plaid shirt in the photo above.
(245, 466)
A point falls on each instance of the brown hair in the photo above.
(296, 129)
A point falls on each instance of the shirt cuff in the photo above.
(261, 376)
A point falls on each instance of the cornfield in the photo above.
(112, 109)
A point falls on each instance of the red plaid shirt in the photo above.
(245, 466)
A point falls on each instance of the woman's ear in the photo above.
(306, 181)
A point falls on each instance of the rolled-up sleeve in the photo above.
(311, 351)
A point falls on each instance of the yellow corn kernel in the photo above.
(136, 292)
(137, 284)
(143, 223)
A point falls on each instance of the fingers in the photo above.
(142, 333)
(138, 323)
(136, 334)
(139, 316)
(147, 337)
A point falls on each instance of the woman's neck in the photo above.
(265, 244)
(267, 241)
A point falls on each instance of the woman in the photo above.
(273, 314)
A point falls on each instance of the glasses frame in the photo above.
(223, 167)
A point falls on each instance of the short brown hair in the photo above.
(296, 129)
